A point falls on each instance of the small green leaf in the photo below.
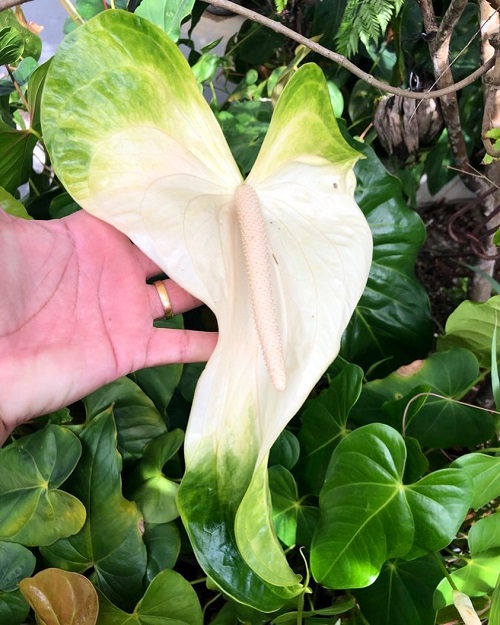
(285, 451)
(34, 95)
(32, 43)
(168, 599)
(167, 14)
(33, 511)
(471, 325)
(11, 45)
(154, 493)
(368, 516)
(16, 563)
(480, 574)
(12, 206)
(484, 472)
(110, 542)
(61, 598)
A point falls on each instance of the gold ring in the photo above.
(164, 298)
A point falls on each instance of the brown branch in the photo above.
(9, 4)
(450, 19)
(343, 61)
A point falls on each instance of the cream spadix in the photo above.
(134, 142)
(260, 281)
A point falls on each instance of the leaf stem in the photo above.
(444, 570)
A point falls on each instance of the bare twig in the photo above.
(450, 20)
(9, 4)
(343, 61)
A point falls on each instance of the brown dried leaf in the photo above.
(61, 598)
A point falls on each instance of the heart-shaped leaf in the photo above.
(154, 493)
(368, 516)
(480, 574)
(441, 421)
(12, 206)
(163, 544)
(13, 608)
(61, 598)
(168, 599)
(402, 593)
(110, 542)
(33, 511)
(324, 424)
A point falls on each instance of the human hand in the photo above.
(76, 313)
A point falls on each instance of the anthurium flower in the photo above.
(281, 258)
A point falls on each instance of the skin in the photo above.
(76, 313)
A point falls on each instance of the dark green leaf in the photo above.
(442, 421)
(33, 511)
(110, 542)
(16, 154)
(11, 45)
(368, 516)
(16, 563)
(13, 608)
(137, 419)
(163, 544)
(168, 599)
(392, 321)
(34, 95)
(324, 422)
(285, 451)
(402, 593)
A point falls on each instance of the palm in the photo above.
(77, 313)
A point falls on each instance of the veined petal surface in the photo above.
(135, 144)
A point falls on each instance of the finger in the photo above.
(177, 346)
(150, 268)
(180, 299)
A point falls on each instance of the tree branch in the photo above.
(9, 4)
(343, 61)
(450, 20)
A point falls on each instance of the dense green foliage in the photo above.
(383, 481)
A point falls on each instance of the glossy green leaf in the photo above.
(285, 451)
(110, 542)
(442, 421)
(484, 472)
(153, 492)
(163, 174)
(495, 605)
(471, 325)
(61, 598)
(293, 519)
(168, 599)
(11, 45)
(33, 511)
(337, 608)
(137, 420)
(392, 321)
(13, 608)
(324, 424)
(480, 574)
(159, 383)
(12, 206)
(16, 563)
(167, 14)
(369, 516)
(16, 153)
(34, 95)
(163, 544)
(402, 593)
